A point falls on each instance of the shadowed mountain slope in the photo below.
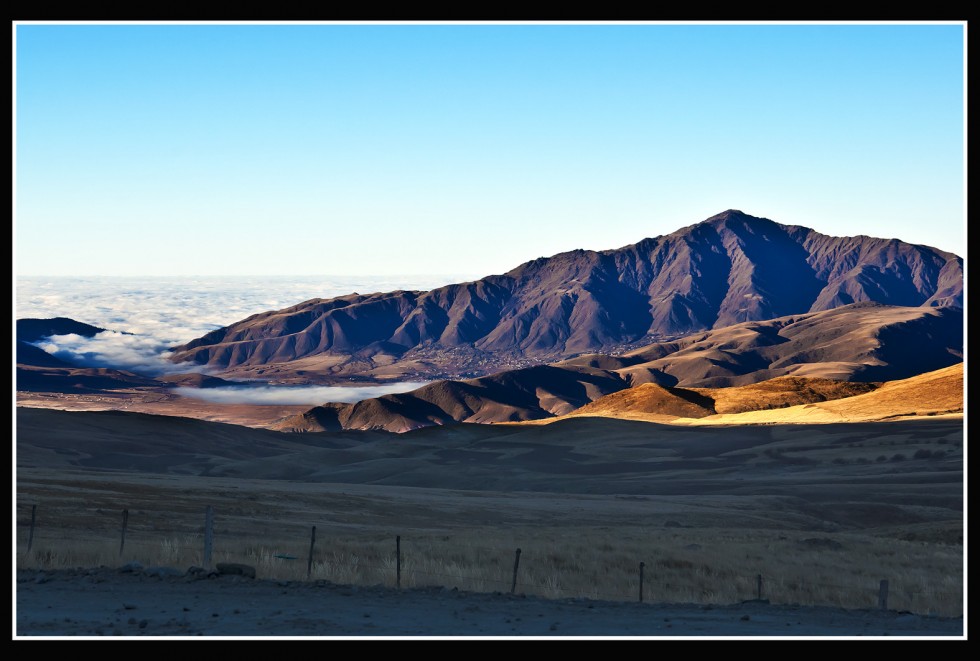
(728, 269)
(527, 394)
(32, 330)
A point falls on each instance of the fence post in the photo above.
(208, 535)
(517, 561)
(398, 561)
(30, 536)
(309, 563)
(641, 582)
(883, 594)
(758, 589)
(122, 535)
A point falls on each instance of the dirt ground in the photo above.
(109, 602)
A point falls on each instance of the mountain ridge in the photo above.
(727, 269)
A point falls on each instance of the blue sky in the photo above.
(399, 149)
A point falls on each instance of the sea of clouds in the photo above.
(256, 394)
(145, 317)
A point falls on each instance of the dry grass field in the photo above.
(822, 512)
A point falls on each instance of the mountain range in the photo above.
(729, 269)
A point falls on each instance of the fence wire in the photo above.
(534, 575)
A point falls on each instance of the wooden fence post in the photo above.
(309, 563)
(758, 589)
(122, 535)
(30, 536)
(883, 594)
(641, 582)
(517, 561)
(208, 535)
(398, 561)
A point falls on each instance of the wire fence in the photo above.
(114, 538)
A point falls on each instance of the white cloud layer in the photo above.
(136, 353)
(162, 312)
(300, 395)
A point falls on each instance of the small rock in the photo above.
(129, 607)
(131, 567)
(41, 578)
(745, 618)
(143, 623)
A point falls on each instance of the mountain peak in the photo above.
(734, 214)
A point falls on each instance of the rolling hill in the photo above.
(815, 354)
